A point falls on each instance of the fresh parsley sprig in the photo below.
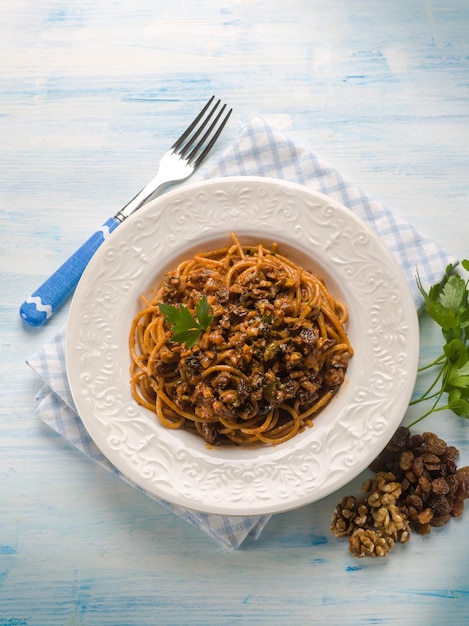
(185, 328)
(447, 303)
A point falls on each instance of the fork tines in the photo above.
(189, 146)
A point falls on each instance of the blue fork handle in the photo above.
(51, 294)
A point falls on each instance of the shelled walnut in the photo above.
(375, 523)
(350, 515)
(416, 485)
(367, 542)
(342, 518)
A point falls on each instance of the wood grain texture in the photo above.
(91, 95)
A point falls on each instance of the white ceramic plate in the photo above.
(317, 233)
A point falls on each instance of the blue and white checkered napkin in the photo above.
(260, 151)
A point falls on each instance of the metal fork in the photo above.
(178, 163)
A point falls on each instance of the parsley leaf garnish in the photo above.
(447, 303)
(187, 329)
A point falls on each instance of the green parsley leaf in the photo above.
(458, 404)
(202, 308)
(187, 329)
(185, 320)
(170, 312)
(446, 318)
(454, 295)
(455, 351)
(187, 337)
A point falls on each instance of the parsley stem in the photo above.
(427, 394)
(429, 412)
(443, 373)
(437, 361)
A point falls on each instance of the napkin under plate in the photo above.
(260, 151)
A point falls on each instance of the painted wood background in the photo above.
(91, 95)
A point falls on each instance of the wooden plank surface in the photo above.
(91, 95)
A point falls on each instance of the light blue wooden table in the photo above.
(91, 95)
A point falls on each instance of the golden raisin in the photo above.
(440, 486)
(434, 444)
(418, 466)
(425, 516)
(406, 459)
(462, 474)
(422, 529)
(442, 520)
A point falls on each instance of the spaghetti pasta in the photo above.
(273, 355)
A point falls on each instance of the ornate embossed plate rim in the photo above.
(315, 231)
